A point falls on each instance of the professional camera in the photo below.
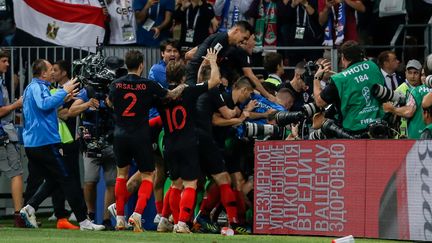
(253, 130)
(385, 94)
(95, 72)
(284, 118)
(330, 130)
(309, 74)
(93, 144)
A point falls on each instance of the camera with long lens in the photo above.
(255, 130)
(309, 74)
(330, 129)
(284, 118)
(385, 94)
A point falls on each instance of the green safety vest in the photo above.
(65, 134)
(404, 89)
(428, 127)
(416, 123)
(273, 81)
(354, 85)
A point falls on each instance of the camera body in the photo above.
(95, 73)
(309, 74)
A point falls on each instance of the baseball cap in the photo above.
(413, 64)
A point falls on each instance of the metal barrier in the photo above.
(23, 57)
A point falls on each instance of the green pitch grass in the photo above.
(48, 234)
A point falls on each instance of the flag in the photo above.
(65, 24)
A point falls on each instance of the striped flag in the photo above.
(61, 23)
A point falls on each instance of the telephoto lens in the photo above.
(330, 129)
(385, 94)
(253, 130)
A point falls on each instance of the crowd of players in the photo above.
(210, 108)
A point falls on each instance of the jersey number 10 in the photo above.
(171, 118)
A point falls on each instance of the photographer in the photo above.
(96, 128)
(299, 87)
(411, 110)
(427, 116)
(350, 90)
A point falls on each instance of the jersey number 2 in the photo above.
(127, 112)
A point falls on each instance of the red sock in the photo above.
(174, 202)
(121, 195)
(241, 206)
(155, 122)
(144, 193)
(159, 207)
(229, 202)
(166, 210)
(210, 200)
(186, 204)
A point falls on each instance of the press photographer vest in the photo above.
(427, 128)
(416, 123)
(358, 106)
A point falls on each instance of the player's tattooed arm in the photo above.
(175, 93)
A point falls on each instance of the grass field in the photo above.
(48, 234)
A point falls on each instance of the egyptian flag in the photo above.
(65, 24)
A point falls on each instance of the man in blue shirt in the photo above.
(170, 52)
(42, 144)
(153, 20)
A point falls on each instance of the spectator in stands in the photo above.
(42, 144)
(297, 24)
(387, 20)
(153, 20)
(338, 19)
(122, 22)
(388, 62)
(366, 23)
(230, 12)
(7, 23)
(10, 163)
(196, 17)
(427, 116)
(262, 13)
(419, 13)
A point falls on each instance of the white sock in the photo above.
(30, 209)
(120, 218)
(137, 214)
(181, 223)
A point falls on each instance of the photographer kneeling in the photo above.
(350, 90)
